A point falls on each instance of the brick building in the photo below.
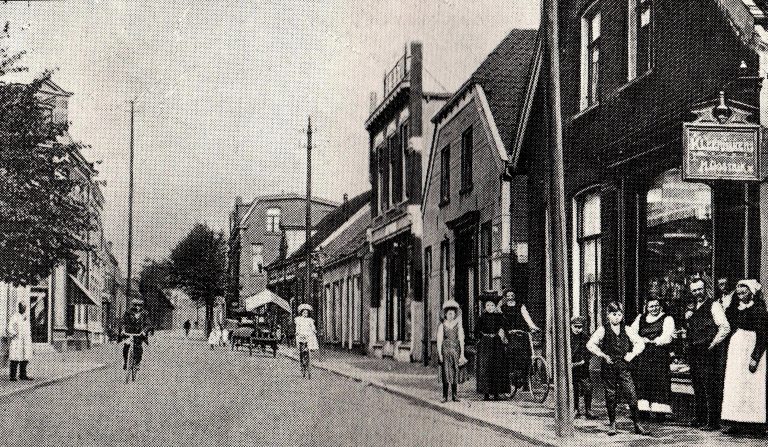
(475, 229)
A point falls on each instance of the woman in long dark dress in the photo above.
(652, 376)
(744, 394)
(517, 322)
(492, 372)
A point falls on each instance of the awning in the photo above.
(82, 293)
(264, 297)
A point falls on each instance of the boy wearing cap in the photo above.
(582, 383)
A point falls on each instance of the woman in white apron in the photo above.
(744, 392)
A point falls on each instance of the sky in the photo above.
(223, 90)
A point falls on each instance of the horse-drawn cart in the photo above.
(247, 336)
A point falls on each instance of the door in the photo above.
(465, 291)
(38, 311)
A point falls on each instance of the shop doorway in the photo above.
(465, 289)
(38, 312)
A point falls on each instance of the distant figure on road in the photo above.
(187, 327)
(306, 331)
(20, 350)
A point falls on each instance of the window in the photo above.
(590, 55)
(467, 146)
(445, 270)
(587, 252)
(445, 175)
(396, 160)
(427, 271)
(273, 220)
(640, 37)
(383, 178)
(257, 257)
(405, 135)
(486, 256)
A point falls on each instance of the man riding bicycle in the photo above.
(134, 330)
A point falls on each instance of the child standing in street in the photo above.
(617, 345)
(450, 349)
(582, 383)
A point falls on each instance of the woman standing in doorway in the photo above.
(492, 367)
(653, 380)
(744, 393)
(450, 349)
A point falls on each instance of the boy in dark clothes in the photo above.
(582, 383)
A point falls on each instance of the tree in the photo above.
(198, 267)
(153, 278)
(44, 215)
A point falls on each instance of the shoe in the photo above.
(125, 366)
(695, 423)
(732, 430)
(577, 415)
(709, 427)
(612, 429)
(26, 378)
(455, 399)
(640, 430)
(589, 416)
(443, 400)
(486, 397)
(12, 379)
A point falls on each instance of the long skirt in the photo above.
(492, 368)
(451, 371)
(744, 392)
(519, 356)
(653, 380)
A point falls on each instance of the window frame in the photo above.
(257, 259)
(590, 65)
(637, 34)
(273, 220)
(405, 136)
(396, 167)
(467, 154)
(582, 287)
(445, 175)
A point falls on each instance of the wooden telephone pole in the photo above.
(560, 320)
(308, 228)
(130, 211)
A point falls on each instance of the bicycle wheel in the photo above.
(539, 380)
(309, 365)
(129, 366)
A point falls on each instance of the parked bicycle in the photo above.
(539, 380)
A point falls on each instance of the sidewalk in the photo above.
(52, 367)
(521, 418)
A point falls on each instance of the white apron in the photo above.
(20, 334)
(744, 392)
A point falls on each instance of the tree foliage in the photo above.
(198, 267)
(154, 277)
(44, 214)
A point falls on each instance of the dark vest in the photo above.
(616, 346)
(651, 330)
(513, 317)
(701, 326)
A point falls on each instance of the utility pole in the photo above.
(560, 320)
(308, 228)
(130, 212)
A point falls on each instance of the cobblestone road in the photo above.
(187, 395)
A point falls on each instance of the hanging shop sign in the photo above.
(721, 144)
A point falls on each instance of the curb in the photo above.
(403, 393)
(48, 382)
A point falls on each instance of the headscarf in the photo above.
(750, 284)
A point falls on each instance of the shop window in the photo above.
(640, 37)
(445, 175)
(273, 220)
(467, 147)
(486, 256)
(587, 253)
(678, 239)
(590, 55)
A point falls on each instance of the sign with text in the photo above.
(722, 152)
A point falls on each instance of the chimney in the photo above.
(374, 101)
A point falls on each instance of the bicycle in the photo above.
(132, 368)
(539, 379)
(304, 360)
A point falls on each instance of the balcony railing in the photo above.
(397, 74)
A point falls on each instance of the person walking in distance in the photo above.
(450, 349)
(20, 349)
(582, 383)
(617, 345)
(187, 327)
(707, 327)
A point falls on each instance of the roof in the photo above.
(351, 239)
(503, 75)
(288, 196)
(327, 225)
